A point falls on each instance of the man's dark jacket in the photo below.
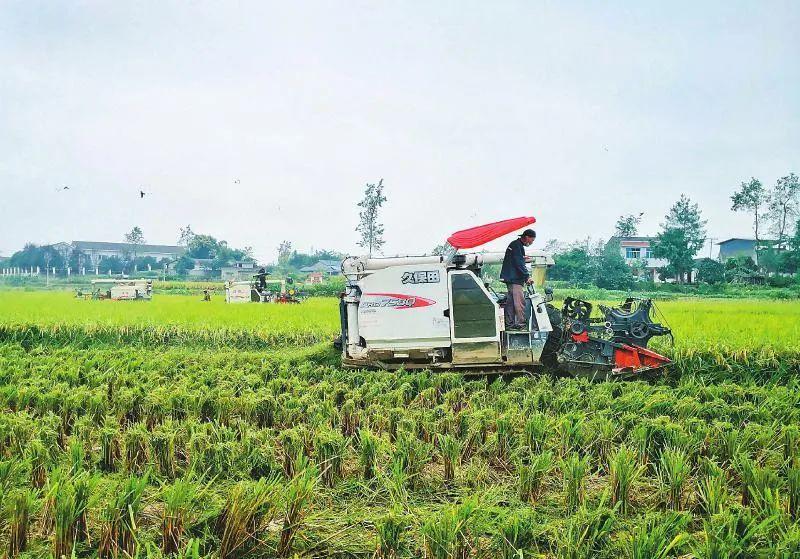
(514, 270)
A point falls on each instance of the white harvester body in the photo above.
(431, 311)
(437, 312)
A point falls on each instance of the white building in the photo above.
(95, 252)
(638, 254)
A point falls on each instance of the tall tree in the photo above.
(682, 235)
(751, 197)
(186, 236)
(612, 272)
(686, 216)
(783, 206)
(793, 256)
(671, 245)
(627, 225)
(284, 252)
(135, 238)
(369, 226)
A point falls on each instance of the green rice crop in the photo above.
(726, 325)
(60, 319)
(182, 428)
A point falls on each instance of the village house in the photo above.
(638, 254)
(239, 270)
(325, 267)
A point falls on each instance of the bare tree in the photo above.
(284, 251)
(783, 206)
(186, 235)
(627, 225)
(135, 238)
(553, 246)
(751, 197)
(370, 228)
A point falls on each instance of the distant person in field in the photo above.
(262, 279)
(515, 274)
(206, 295)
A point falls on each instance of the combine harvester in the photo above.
(120, 290)
(436, 312)
(252, 292)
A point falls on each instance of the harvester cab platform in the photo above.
(437, 312)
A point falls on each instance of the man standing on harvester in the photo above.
(261, 277)
(515, 275)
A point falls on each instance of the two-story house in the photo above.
(638, 254)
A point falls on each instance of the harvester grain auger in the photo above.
(436, 312)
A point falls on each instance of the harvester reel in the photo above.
(575, 309)
(616, 342)
(631, 323)
(577, 327)
(639, 330)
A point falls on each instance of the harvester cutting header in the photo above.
(438, 312)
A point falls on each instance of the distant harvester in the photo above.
(120, 290)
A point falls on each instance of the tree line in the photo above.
(682, 235)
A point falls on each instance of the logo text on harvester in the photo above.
(429, 276)
(393, 301)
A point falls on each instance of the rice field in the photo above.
(60, 318)
(728, 325)
(191, 429)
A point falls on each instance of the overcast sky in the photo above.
(471, 112)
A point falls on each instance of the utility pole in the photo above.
(711, 244)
